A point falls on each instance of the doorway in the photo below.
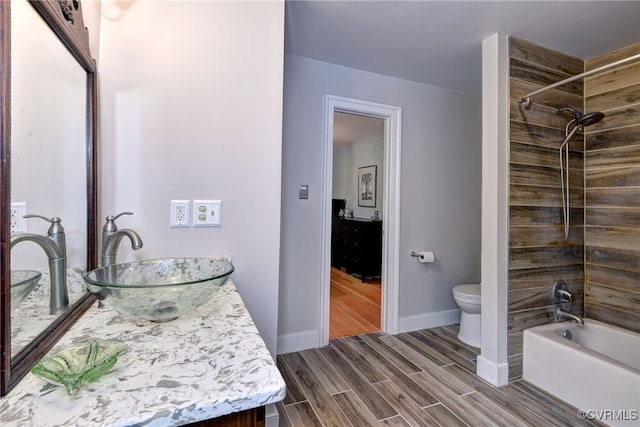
(356, 228)
(390, 195)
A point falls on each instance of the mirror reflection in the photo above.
(48, 177)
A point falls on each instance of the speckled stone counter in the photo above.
(30, 318)
(203, 365)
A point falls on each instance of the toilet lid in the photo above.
(469, 291)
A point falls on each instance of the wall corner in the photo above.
(492, 363)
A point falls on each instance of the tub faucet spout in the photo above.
(562, 314)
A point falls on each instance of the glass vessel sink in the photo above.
(159, 289)
(22, 283)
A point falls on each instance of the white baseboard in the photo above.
(494, 373)
(298, 342)
(311, 339)
(429, 320)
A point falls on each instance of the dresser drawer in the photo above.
(356, 245)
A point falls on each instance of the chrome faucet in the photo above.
(562, 296)
(111, 238)
(560, 314)
(54, 245)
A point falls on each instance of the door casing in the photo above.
(392, 117)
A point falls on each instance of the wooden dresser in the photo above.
(356, 246)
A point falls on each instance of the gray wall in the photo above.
(346, 161)
(440, 192)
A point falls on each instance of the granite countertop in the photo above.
(30, 318)
(206, 364)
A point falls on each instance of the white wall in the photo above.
(91, 15)
(347, 159)
(48, 137)
(440, 199)
(191, 107)
(492, 363)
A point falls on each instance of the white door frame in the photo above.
(390, 207)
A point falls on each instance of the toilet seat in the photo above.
(467, 293)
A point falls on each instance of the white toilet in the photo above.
(468, 299)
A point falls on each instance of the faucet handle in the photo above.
(110, 226)
(56, 223)
(559, 292)
(52, 220)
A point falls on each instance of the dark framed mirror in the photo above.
(48, 167)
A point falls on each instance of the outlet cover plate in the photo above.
(18, 223)
(180, 214)
(207, 213)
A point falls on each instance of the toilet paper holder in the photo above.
(424, 257)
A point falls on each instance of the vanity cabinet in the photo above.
(249, 418)
(356, 246)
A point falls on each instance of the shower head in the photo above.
(583, 120)
(590, 118)
(579, 122)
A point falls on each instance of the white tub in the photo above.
(597, 371)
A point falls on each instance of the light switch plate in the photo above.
(303, 191)
(207, 213)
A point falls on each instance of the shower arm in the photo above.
(525, 101)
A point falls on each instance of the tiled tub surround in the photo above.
(538, 253)
(612, 190)
(601, 259)
(203, 365)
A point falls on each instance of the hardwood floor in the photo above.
(421, 378)
(355, 306)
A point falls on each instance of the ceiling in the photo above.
(349, 128)
(440, 42)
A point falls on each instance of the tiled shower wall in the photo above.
(612, 185)
(538, 252)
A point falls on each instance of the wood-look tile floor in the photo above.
(421, 378)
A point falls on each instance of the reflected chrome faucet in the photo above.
(111, 238)
(54, 245)
(561, 314)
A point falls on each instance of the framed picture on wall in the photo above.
(367, 186)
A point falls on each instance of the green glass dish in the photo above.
(74, 367)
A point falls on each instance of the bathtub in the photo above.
(597, 370)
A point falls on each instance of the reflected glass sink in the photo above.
(22, 283)
(159, 289)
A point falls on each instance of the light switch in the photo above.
(303, 191)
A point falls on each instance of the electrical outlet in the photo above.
(18, 223)
(180, 214)
(207, 213)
